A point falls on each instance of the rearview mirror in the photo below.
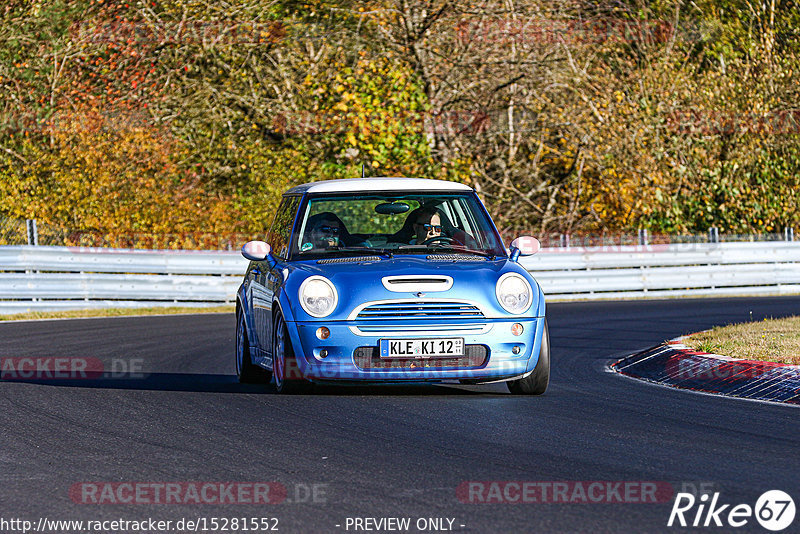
(256, 250)
(524, 246)
(391, 208)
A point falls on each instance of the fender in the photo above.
(241, 300)
(281, 302)
(282, 305)
(540, 310)
(533, 359)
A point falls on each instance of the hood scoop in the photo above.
(411, 283)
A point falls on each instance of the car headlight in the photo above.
(318, 297)
(514, 293)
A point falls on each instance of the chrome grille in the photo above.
(420, 310)
(390, 329)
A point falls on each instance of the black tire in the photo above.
(246, 371)
(285, 372)
(536, 382)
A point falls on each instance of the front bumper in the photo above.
(489, 344)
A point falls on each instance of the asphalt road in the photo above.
(399, 452)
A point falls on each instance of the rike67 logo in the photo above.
(774, 510)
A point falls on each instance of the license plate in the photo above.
(422, 348)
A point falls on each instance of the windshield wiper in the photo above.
(452, 248)
(465, 250)
(378, 251)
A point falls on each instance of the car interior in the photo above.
(455, 226)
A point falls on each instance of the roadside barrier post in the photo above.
(643, 237)
(33, 234)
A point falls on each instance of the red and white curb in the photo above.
(674, 364)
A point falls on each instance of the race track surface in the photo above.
(398, 452)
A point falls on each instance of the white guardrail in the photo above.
(61, 278)
(34, 278)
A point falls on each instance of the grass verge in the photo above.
(770, 340)
(115, 312)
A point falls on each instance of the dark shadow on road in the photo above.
(218, 383)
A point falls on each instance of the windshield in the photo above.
(395, 223)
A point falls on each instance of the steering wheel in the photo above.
(442, 238)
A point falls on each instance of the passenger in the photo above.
(325, 231)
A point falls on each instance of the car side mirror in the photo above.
(256, 250)
(524, 246)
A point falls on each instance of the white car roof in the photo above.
(378, 184)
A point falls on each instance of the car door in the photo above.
(268, 279)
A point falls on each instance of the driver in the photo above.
(428, 224)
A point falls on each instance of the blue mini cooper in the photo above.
(390, 281)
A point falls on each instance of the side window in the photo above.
(281, 229)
